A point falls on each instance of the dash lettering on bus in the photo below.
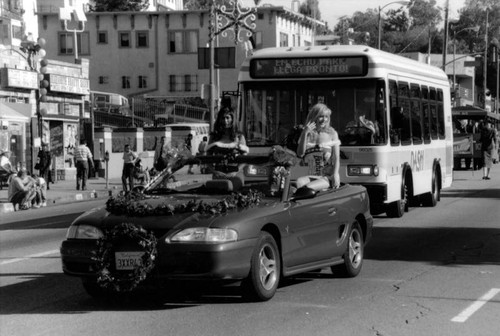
(417, 160)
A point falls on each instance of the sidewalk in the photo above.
(65, 191)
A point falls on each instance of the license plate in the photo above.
(128, 260)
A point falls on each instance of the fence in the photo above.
(148, 112)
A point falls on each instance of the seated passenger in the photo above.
(319, 145)
(225, 139)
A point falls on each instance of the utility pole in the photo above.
(485, 64)
(445, 39)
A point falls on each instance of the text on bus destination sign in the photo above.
(308, 67)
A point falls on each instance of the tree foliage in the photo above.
(310, 8)
(118, 5)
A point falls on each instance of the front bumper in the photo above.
(226, 261)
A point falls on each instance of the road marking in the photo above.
(38, 255)
(465, 314)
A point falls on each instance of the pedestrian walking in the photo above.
(161, 149)
(489, 145)
(202, 151)
(83, 161)
(44, 161)
(189, 146)
(128, 171)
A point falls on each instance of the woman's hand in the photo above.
(335, 180)
(311, 126)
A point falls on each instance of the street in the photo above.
(433, 272)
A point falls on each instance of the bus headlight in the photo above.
(362, 170)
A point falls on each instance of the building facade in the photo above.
(26, 119)
(156, 53)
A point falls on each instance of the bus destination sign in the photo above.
(309, 67)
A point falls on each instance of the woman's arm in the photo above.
(336, 161)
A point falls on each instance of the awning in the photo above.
(473, 112)
(15, 112)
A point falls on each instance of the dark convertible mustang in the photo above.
(219, 229)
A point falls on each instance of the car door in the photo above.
(313, 229)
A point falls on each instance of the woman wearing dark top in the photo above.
(44, 161)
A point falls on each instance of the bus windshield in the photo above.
(274, 111)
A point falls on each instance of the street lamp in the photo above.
(70, 13)
(455, 33)
(402, 2)
(222, 20)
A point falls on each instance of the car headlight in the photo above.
(360, 170)
(206, 235)
(83, 232)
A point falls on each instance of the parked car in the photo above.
(220, 229)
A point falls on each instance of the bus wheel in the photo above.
(398, 208)
(431, 198)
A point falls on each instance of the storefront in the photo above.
(14, 132)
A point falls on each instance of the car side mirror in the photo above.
(304, 193)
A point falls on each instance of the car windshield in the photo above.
(224, 174)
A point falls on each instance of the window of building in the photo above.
(283, 40)
(125, 82)
(66, 43)
(103, 79)
(124, 40)
(142, 39)
(143, 82)
(183, 41)
(102, 37)
(186, 83)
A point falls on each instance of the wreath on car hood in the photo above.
(126, 234)
(128, 205)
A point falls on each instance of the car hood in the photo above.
(104, 219)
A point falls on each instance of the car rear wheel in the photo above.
(354, 253)
(264, 277)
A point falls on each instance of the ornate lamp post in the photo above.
(221, 20)
(402, 2)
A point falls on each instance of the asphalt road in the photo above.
(433, 272)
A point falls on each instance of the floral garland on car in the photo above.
(127, 205)
(120, 281)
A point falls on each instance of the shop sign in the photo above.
(67, 84)
(16, 78)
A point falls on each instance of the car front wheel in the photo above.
(354, 253)
(264, 277)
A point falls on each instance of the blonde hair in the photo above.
(316, 110)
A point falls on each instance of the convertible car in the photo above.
(221, 228)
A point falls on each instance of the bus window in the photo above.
(416, 114)
(433, 109)
(440, 114)
(426, 114)
(404, 103)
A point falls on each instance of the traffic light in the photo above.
(44, 83)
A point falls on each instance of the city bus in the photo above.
(407, 161)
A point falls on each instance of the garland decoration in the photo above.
(126, 233)
(127, 205)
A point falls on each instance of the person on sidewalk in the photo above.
(21, 190)
(5, 165)
(44, 161)
(488, 142)
(129, 159)
(41, 191)
(189, 145)
(161, 149)
(83, 160)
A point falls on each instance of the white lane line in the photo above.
(465, 314)
(38, 255)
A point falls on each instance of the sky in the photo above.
(332, 10)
